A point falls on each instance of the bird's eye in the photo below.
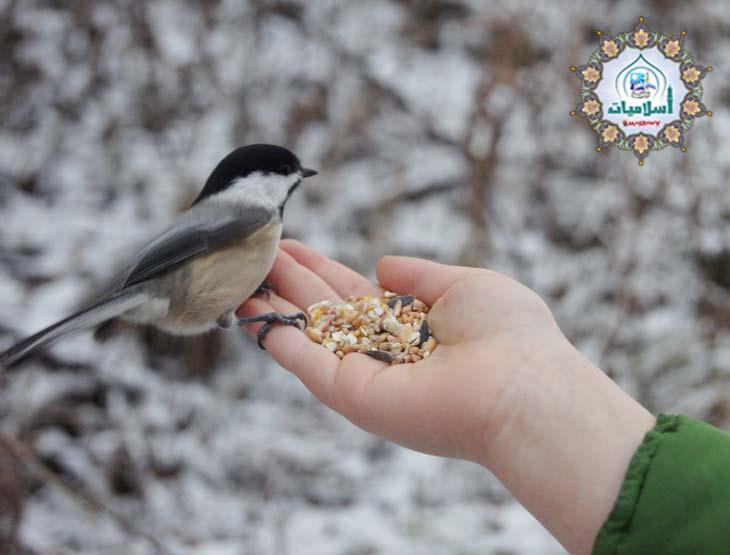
(285, 169)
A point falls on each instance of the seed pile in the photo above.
(392, 328)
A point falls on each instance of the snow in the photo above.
(114, 115)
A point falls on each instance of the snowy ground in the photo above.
(440, 129)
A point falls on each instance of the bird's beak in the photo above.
(306, 172)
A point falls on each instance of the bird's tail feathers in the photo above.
(88, 318)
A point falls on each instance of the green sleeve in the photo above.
(675, 498)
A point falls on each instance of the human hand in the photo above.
(487, 326)
(504, 388)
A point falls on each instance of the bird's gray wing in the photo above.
(179, 244)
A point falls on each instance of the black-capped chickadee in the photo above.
(193, 277)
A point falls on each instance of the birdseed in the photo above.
(392, 328)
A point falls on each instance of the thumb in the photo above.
(425, 279)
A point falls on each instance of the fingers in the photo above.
(298, 284)
(425, 279)
(314, 365)
(392, 401)
(338, 276)
(338, 384)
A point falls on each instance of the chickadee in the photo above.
(193, 277)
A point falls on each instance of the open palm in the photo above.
(489, 329)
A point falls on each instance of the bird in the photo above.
(192, 277)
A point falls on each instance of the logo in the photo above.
(641, 91)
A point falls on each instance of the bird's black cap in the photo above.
(249, 159)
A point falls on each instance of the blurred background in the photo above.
(441, 129)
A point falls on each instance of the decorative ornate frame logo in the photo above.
(632, 81)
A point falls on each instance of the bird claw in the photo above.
(271, 318)
(265, 289)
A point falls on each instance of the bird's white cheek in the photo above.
(268, 190)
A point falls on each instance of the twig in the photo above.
(89, 502)
(415, 195)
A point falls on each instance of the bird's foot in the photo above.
(265, 289)
(271, 318)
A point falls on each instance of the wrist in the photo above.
(564, 441)
(540, 387)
